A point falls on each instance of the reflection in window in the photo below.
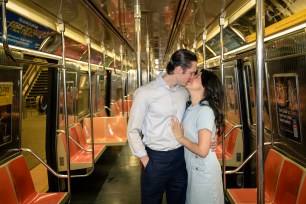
(116, 91)
(231, 41)
(275, 11)
(83, 100)
(100, 92)
(71, 86)
(232, 109)
(251, 97)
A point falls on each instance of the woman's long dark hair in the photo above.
(213, 97)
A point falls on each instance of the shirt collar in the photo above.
(160, 82)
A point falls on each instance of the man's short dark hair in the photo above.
(183, 58)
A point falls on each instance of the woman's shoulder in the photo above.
(206, 109)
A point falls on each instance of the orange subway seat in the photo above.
(79, 159)
(233, 146)
(24, 186)
(97, 151)
(288, 183)
(302, 191)
(230, 142)
(99, 129)
(273, 166)
(7, 191)
(115, 109)
(82, 140)
(101, 113)
(127, 105)
(110, 131)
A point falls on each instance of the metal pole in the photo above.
(194, 46)
(147, 49)
(127, 74)
(260, 26)
(137, 16)
(62, 30)
(148, 59)
(90, 104)
(204, 50)
(122, 82)
(103, 55)
(114, 53)
(222, 79)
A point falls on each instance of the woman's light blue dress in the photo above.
(204, 174)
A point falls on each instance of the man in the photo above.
(162, 156)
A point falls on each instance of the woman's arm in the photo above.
(204, 136)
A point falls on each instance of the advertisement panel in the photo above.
(6, 96)
(286, 91)
(25, 33)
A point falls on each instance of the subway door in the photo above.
(246, 86)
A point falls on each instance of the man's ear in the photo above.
(178, 70)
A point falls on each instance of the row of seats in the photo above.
(233, 146)
(108, 131)
(116, 107)
(80, 158)
(284, 182)
(101, 113)
(16, 185)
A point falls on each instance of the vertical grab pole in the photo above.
(90, 104)
(103, 54)
(148, 50)
(260, 26)
(61, 27)
(137, 16)
(204, 50)
(122, 80)
(222, 79)
(194, 46)
(148, 59)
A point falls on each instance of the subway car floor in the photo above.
(115, 180)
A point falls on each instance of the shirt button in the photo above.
(197, 168)
(196, 156)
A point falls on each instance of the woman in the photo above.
(200, 122)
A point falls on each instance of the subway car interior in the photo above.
(73, 66)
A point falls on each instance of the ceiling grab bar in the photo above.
(7, 48)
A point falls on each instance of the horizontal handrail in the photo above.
(79, 145)
(245, 161)
(227, 134)
(44, 163)
(106, 107)
(75, 142)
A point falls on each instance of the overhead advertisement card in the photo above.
(6, 98)
(25, 33)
